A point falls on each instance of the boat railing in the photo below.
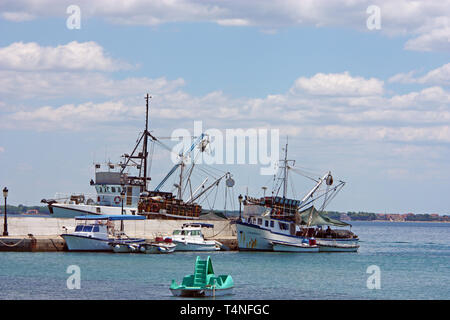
(67, 198)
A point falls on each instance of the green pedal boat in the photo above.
(203, 283)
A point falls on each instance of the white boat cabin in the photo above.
(108, 187)
(94, 229)
(192, 231)
(273, 225)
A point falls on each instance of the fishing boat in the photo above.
(98, 233)
(278, 223)
(117, 189)
(123, 187)
(190, 238)
(203, 283)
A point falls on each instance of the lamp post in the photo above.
(240, 204)
(5, 221)
(122, 197)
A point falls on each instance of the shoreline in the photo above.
(348, 221)
(387, 221)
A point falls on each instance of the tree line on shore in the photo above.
(352, 216)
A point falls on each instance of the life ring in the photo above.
(117, 200)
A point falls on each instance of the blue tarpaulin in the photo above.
(109, 217)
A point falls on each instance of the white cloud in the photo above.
(324, 107)
(424, 99)
(31, 56)
(338, 84)
(233, 22)
(40, 85)
(17, 16)
(426, 21)
(73, 117)
(439, 76)
(433, 35)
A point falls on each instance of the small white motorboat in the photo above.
(190, 238)
(160, 247)
(96, 233)
(334, 245)
(119, 247)
(280, 246)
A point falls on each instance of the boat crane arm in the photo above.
(215, 183)
(182, 156)
(319, 183)
(196, 190)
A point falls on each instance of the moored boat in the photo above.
(305, 246)
(290, 222)
(157, 247)
(97, 233)
(190, 238)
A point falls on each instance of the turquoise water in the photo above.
(414, 259)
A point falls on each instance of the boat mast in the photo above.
(146, 134)
(285, 178)
(141, 180)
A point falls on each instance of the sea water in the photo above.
(413, 260)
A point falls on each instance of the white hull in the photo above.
(283, 247)
(201, 292)
(125, 248)
(329, 245)
(254, 238)
(80, 243)
(195, 246)
(157, 249)
(64, 210)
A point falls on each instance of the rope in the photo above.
(226, 226)
(12, 245)
(54, 244)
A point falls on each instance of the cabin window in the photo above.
(259, 221)
(283, 226)
(99, 210)
(271, 224)
(87, 228)
(266, 223)
(78, 228)
(96, 229)
(113, 189)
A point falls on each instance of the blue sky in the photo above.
(373, 106)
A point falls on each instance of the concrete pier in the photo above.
(43, 234)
